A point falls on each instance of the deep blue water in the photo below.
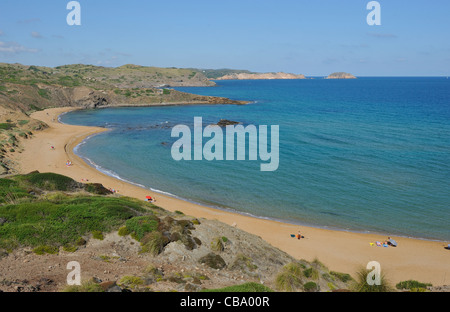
(371, 154)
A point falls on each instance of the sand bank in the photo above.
(423, 260)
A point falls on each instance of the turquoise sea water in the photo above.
(371, 154)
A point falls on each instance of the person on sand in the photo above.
(299, 235)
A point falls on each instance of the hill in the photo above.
(25, 89)
(128, 244)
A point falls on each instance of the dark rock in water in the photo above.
(213, 261)
(226, 122)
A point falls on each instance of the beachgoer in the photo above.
(299, 235)
(391, 242)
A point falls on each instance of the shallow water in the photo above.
(371, 154)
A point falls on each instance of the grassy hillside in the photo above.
(98, 77)
(25, 89)
(48, 219)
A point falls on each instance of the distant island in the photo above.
(341, 75)
(254, 76)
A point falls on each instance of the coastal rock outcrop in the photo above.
(226, 122)
(341, 75)
(244, 76)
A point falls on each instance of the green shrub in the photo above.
(153, 243)
(123, 231)
(6, 126)
(98, 235)
(35, 108)
(80, 241)
(361, 285)
(242, 262)
(50, 181)
(311, 287)
(140, 226)
(11, 192)
(217, 245)
(41, 250)
(290, 278)
(97, 188)
(131, 281)
(85, 287)
(344, 277)
(411, 284)
(23, 122)
(70, 248)
(311, 273)
(246, 288)
(56, 197)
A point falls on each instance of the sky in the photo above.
(310, 37)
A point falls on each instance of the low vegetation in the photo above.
(50, 213)
(31, 216)
(413, 286)
(361, 284)
(246, 288)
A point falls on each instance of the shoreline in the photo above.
(341, 250)
(114, 175)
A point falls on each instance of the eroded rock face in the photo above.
(243, 76)
(341, 75)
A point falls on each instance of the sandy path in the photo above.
(426, 261)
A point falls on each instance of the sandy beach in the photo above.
(422, 260)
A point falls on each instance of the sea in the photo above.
(369, 155)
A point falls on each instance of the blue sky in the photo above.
(311, 37)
